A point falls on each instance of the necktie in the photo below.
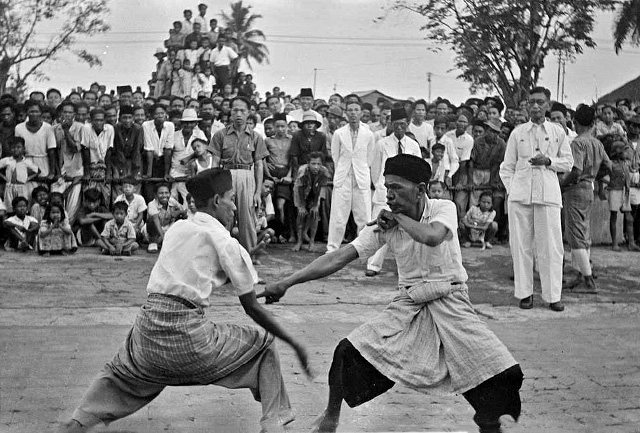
(399, 147)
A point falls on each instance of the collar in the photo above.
(231, 129)
(205, 218)
(530, 125)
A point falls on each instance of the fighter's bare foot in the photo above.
(311, 244)
(325, 423)
(616, 248)
(71, 426)
(296, 247)
(633, 247)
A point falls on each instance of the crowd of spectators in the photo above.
(108, 168)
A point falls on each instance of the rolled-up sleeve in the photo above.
(236, 263)
(368, 242)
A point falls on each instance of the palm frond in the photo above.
(627, 25)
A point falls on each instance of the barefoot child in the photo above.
(163, 211)
(264, 215)
(136, 206)
(118, 235)
(306, 196)
(18, 172)
(478, 224)
(619, 197)
(55, 235)
(429, 338)
(22, 228)
(91, 219)
(172, 343)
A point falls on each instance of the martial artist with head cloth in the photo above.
(172, 343)
(429, 338)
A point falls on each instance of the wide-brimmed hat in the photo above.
(160, 52)
(336, 111)
(310, 117)
(320, 103)
(190, 115)
(494, 124)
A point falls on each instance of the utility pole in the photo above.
(564, 64)
(335, 87)
(315, 74)
(429, 81)
(558, 83)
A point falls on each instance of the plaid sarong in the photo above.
(172, 343)
(435, 345)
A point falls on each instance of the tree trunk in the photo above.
(5, 66)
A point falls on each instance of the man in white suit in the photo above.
(536, 152)
(352, 148)
(386, 148)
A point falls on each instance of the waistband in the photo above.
(237, 166)
(187, 303)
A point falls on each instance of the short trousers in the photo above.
(619, 200)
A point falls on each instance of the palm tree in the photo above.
(239, 24)
(627, 24)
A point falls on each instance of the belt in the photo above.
(237, 166)
(182, 301)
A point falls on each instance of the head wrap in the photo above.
(409, 167)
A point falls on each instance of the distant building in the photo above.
(371, 96)
(630, 91)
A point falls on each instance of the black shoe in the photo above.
(371, 273)
(557, 306)
(526, 303)
(586, 285)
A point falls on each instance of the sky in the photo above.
(340, 43)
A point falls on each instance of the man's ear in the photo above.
(215, 201)
(422, 189)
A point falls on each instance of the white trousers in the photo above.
(376, 261)
(345, 199)
(536, 227)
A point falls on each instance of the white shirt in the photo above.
(187, 27)
(136, 206)
(450, 159)
(419, 262)
(385, 149)
(36, 145)
(157, 143)
(198, 255)
(98, 144)
(223, 56)
(463, 144)
(181, 150)
(424, 134)
(203, 21)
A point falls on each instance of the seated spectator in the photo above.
(478, 224)
(40, 200)
(264, 215)
(18, 171)
(176, 37)
(119, 235)
(55, 235)
(136, 206)
(163, 211)
(21, 228)
(91, 219)
(306, 196)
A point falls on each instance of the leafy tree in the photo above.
(502, 45)
(23, 51)
(627, 24)
(239, 23)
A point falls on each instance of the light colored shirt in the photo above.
(125, 232)
(419, 262)
(98, 144)
(17, 172)
(157, 143)
(462, 144)
(71, 160)
(166, 220)
(180, 150)
(198, 255)
(137, 205)
(24, 223)
(424, 134)
(222, 56)
(36, 144)
(187, 27)
(203, 21)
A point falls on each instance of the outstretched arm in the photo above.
(324, 265)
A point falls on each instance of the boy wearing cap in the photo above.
(430, 325)
(172, 343)
(577, 197)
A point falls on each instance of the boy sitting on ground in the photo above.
(91, 219)
(163, 211)
(478, 224)
(22, 228)
(136, 206)
(306, 197)
(118, 235)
